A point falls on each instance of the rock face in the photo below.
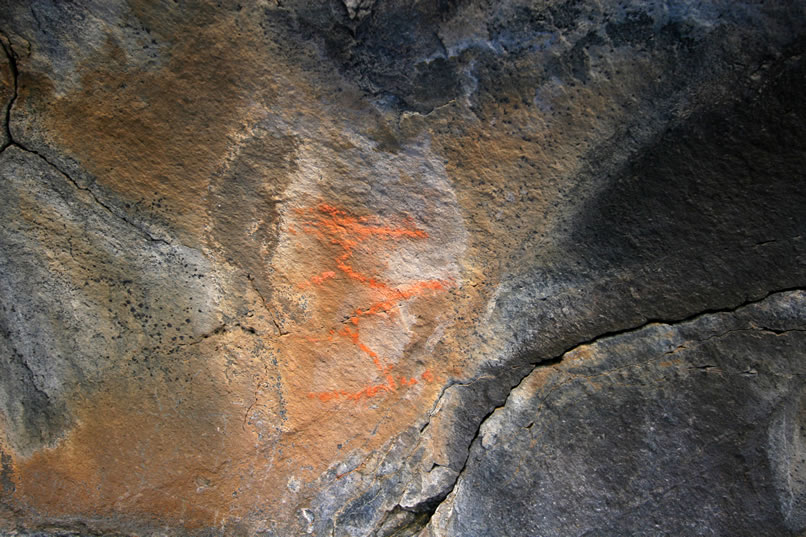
(384, 267)
(686, 429)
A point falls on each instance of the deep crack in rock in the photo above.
(556, 360)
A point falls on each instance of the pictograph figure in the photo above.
(355, 245)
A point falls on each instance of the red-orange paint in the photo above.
(337, 227)
(318, 279)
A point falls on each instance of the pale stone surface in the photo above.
(267, 267)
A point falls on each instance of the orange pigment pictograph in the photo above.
(345, 234)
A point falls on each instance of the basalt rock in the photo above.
(384, 267)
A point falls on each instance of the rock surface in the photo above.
(671, 429)
(384, 267)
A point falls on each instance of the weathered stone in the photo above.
(672, 429)
(267, 267)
